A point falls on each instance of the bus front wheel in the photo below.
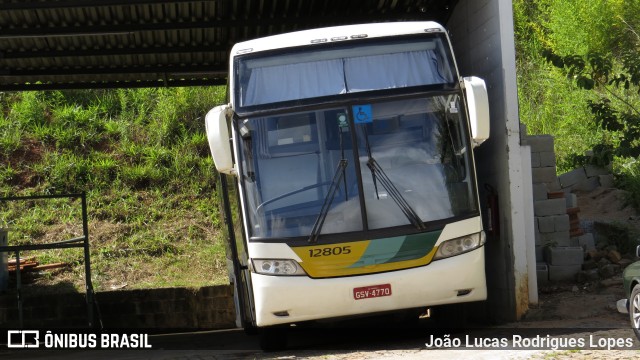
(273, 338)
(452, 318)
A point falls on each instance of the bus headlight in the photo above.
(280, 267)
(459, 245)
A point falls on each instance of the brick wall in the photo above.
(169, 308)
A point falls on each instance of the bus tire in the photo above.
(273, 338)
(250, 329)
(451, 318)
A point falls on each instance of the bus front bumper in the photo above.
(291, 299)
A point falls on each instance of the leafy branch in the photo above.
(595, 72)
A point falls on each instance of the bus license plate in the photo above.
(366, 292)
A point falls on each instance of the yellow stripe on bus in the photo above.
(337, 260)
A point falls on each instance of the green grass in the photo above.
(142, 158)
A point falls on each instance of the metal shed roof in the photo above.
(58, 44)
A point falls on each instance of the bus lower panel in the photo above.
(282, 300)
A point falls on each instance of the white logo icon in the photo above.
(23, 339)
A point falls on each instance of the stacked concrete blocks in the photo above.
(560, 241)
(552, 223)
(564, 262)
(586, 178)
(543, 161)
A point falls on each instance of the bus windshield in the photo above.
(321, 71)
(392, 163)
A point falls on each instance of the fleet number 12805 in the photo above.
(330, 251)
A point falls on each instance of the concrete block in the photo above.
(563, 272)
(564, 255)
(572, 177)
(587, 242)
(588, 184)
(539, 253)
(572, 200)
(592, 170)
(574, 241)
(550, 207)
(555, 238)
(561, 222)
(547, 158)
(546, 224)
(554, 185)
(606, 181)
(540, 192)
(538, 236)
(542, 272)
(540, 143)
(535, 159)
(543, 175)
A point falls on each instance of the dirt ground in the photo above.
(609, 205)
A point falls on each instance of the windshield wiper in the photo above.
(396, 195)
(326, 205)
(335, 182)
(387, 184)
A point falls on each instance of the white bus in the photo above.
(348, 174)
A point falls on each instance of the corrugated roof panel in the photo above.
(110, 43)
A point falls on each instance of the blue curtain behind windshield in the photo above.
(295, 81)
(390, 71)
(278, 83)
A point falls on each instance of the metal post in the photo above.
(4, 266)
(18, 289)
(87, 262)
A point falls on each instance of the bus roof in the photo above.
(334, 34)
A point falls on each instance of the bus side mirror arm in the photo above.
(478, 105)
(217, 128)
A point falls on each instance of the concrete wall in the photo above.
(482, 37)
(170, 308)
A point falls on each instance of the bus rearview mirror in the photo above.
(478, 103)
(219, 141)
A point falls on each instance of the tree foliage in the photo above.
(595, 45)
(616, 81)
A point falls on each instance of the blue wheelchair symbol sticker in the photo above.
(362, 114)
